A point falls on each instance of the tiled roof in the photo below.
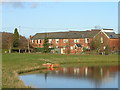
(111, 34)
(66, 35)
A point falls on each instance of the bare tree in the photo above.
(7, 41)
(23, 42)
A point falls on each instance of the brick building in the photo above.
(75, 41)
(108, 37)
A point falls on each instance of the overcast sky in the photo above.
(39, 17)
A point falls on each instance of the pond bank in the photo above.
(14, 64)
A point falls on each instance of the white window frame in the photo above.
(64, 48)
(50, 47)
(86, 40)
(50, 40)
(71, 47)
(65, 40)
(32, 41)
(104, 47)
(76, 40)
(57, 40)
(101, 39)
(39, 41)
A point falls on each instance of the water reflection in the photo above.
(90, 77)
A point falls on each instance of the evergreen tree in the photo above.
(46, 45)
(16, 38)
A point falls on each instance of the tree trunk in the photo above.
(9, 50)
(25, 50)
(29, 51)
(19, 50)
(28, 47)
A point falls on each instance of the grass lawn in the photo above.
(15, 62)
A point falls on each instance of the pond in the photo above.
(74, 77)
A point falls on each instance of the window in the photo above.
(71, 47)
(76, 40)
(101, 39)
(104, 47)
(65, 40)
(32, 41)
(57, 40)
(86, 40)
(39, 41)
(64, 47)
(50, 40)
(50, 47)
(111, 36)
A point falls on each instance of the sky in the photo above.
(39, 17)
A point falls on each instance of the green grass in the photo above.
(14, 63)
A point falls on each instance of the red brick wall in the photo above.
(61, 44)
(112, 43)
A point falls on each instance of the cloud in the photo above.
(34, 5)
(18, 5)
(21, 4)
(14, 4)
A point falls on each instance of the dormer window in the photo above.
(111, 36)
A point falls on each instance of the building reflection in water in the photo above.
(95, 74)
